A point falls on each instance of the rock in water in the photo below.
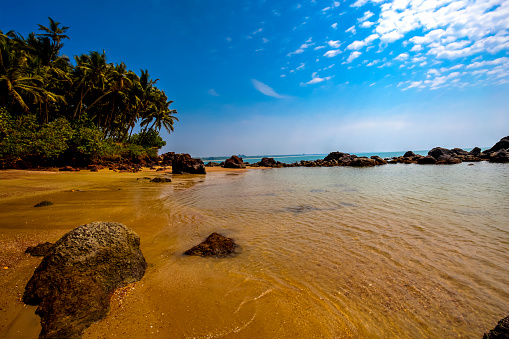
(215, 245)
(73, 284)
(501, 331)
(183, 163)
(234, 162)
(44, 203)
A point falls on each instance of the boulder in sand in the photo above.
(76, 278)
(215, 245)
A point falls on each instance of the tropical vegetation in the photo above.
(52, 109)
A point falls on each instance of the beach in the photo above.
(393, 251)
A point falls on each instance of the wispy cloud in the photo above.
(266, 90)
(302, 47)
(315, 79)
(213, 92)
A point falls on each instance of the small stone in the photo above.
(44, 203)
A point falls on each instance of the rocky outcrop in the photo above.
(267, 162)
(77, 276)
(160, 179)
(409, 154)
(40, 250)
(234, 162)
(501, 331)
(500, 156)
(215, 245)
(502, 144)
(184, 164)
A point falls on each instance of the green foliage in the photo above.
(49, 107)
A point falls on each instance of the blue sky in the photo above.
(287, 77)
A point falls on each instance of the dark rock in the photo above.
(409, 154)
(335, 156)
(234, 162)
(476, 151)
(459, 151)
(501, 331)
(159, 179)
(437, 152)
(68, 169)
(448, 160)
(427, 160)
(267, 162)
(501, 156)
(502, 144)
(378, 160)
(215, 245)
(44, 203)
(76, 278)
(212, 164)
(362, 162)
(183, 163)
(40, 250)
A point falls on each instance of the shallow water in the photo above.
(393, 251)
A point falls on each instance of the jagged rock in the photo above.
(502, 144)
(215, 245)
(427, 160)
(44, 203)
(459, 151)
(267, 162)
(40, 250)
(501, 331)
(183, 163)
(159, 179)
(448, 160)
(409, 154)
(234, 162)
(76, 278)
(378, 160)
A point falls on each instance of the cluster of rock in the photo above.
(74, 282)
(437, 156)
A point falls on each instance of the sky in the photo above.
(290, 77)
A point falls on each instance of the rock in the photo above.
(44, 203)
(68, 169)
(267, 162)
(159, 179)
(448, 160)
(459, 151)
(76, 278)
(40, 250)
(437, 152)
(234, 162)
(335, 156)
(409, 154)
(502, 144)
(212, 164)
(183, 163)
(501, 156)
(501, 331)
(362, 162)
(378, 160)
(476, 151)
(427, 160)
(215, 245)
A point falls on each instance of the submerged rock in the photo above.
(40, 250)
(159, 179)
(215, 245)
(73, 284)
(44, 203)
(501, 331)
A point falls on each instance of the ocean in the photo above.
(397, 251)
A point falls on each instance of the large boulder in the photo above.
(335, 156)
(476, 151)
(183, 163)
(501, 156)
(427, 160)
(409, 154)
(438, 152)
(73, 284)
(362, 162)
(501, 331)
(502, 144)
(267, 162)
(234, 162)
(215, 245)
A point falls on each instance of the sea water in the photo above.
(396, 251)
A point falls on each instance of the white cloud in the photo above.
(367, 24)
(302, 65)
(354, 55)
(351, 30)
(356, 45)
(258, 31)
(302, 47)
(334, 5)
(319, 47)
(416, 48)
(478, 64)
(359, 3)
(228, 39)
(366, 16)
(334, 25)
(213, 92)
(315, 79)
(402, 57)
(266, 90)
(332, 53)
(333, 43)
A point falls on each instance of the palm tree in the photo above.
(53, 36)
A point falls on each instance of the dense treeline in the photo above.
(53, 110)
